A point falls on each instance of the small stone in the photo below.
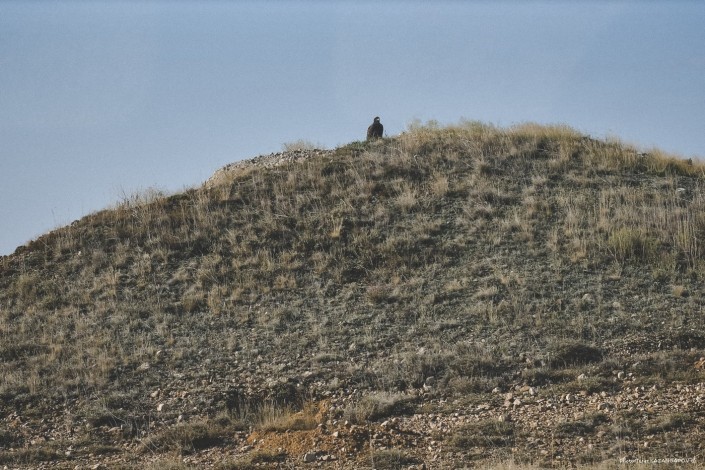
(620, 375)
(309, 457)
(160, 407)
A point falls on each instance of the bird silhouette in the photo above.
(375, 130)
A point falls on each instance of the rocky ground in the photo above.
(519, 425)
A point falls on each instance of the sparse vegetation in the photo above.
(416, 274)
(583, 426)
(489, 433)
(392, 460)
(300, 144)
(570, 353)
(669, 422)
(378, 406)
(187, 438)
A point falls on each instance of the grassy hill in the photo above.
(453, 296)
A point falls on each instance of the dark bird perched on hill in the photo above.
(375, 130)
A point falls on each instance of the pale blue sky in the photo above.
(103, 99)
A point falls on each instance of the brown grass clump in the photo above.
(272, 418)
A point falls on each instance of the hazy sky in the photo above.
(99, 100)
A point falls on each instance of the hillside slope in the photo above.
(451, 296)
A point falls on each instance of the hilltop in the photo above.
(453, 296)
